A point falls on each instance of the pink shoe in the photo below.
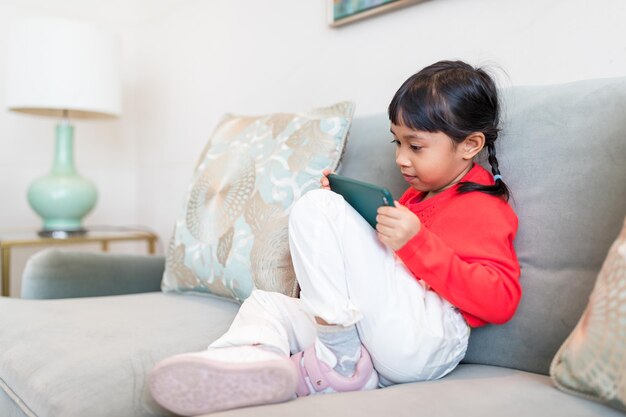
(321, 376)
(193, 384)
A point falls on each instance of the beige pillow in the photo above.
(591, 363)
(231, 235)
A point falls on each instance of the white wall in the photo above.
(187, 62)
(200, 59)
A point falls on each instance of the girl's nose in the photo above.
(401, 160)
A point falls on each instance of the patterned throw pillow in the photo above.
(231, 235)
(592, 361)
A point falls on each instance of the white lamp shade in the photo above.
(55, 65)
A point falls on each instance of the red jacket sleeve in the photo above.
(472, 264)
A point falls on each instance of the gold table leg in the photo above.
(6, 270)
(151, 245)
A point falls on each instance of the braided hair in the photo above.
(457, 99)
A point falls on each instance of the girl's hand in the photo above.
(396, 225)
(324, 183)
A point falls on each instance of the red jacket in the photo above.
(464, 250)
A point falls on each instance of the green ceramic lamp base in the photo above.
(62, 198)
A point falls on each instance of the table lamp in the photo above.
(63, 69)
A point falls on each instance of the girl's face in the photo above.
(430, 162)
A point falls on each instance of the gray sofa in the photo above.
(563, 153)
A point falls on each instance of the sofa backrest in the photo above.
(562, 151)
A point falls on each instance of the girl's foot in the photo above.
(318, 377)
(221, 379)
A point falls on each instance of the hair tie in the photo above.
(497, 177)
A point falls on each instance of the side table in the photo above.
(19, 238)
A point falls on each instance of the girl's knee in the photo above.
(313, 199)
(258, 296)
(318, 201)
(313, 208)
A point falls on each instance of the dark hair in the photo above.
(457, 99)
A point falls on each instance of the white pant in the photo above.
(347, 276)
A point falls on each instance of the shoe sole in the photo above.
(191, 386)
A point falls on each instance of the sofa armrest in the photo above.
(53, 273)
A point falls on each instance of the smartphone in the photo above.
(364, 197)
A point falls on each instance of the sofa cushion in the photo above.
(92, 356)
(562, 152)
(592, 361)
(469, 391)
(231, 235)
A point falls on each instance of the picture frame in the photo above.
(342, 12)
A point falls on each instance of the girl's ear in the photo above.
(472, 144)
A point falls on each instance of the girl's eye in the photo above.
(414, 148)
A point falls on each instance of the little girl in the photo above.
(385, 306)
